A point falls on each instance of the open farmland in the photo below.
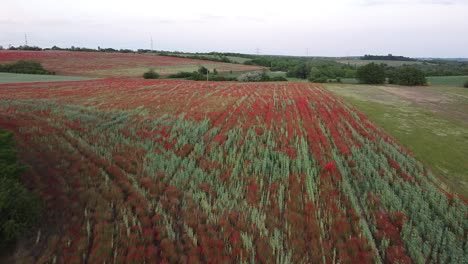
(430, 121)
(101, 64)
(146, 171)
(19, 78)
(456, 81)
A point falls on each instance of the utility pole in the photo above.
(25, 39)
(151, 39)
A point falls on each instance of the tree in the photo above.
(203, 70)
(301, 70)
(466, 84)
(407, 75)
(371, 74)
(151, 74)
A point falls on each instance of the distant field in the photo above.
(100, 64)
(454, 81)
(232, 58)
(448, 80)
(358, 62)
(431, 121)
(19, 78)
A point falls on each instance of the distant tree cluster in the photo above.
(389, 57)
(371, 73)
(407, 75)
(25, 47)
(29, 67)
(259, 76)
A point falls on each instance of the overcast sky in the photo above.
(417, 28)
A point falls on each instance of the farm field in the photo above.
(18, 77)
(232, 58)
(457, 81)
(178, 171)
(431, 121)
(100, 64)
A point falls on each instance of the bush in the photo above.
(28, 67)
(371, 74)
(407, 75)
(257, 76)
(466, 84)
(151, 74)
(203, 70)
(220, 78)
(181, 75)
(19, 209)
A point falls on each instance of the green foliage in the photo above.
(387, 57)
(203, 70)
(407, 75)
(19, 209)
(151, 74)
(466, 84)
(22, 66)
(371, 74)
(278, 79)
(181, 75)
(196, 76)
(258, 76)
(301, 70)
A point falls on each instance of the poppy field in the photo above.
(101, 64)
(166, 171)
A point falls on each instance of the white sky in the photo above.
(418, 28)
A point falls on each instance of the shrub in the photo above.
(203, 70)
(407, 75)
(151, 74)
(220, 78)
(181, 75)
(371, 74)
(19, 209)
(257, 76)
(466, 84)
(22, 66)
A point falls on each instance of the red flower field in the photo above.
(101, 64)
(142, 171)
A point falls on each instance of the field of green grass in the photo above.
(432, 123)
(358, 62)
(457, 81)
(19, 78)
